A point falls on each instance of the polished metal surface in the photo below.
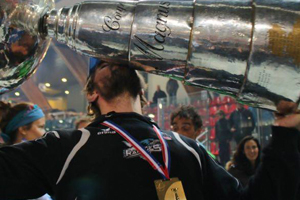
(98, 29)
(242, 48)
(21, 47)
(274, 63)
(220, 45)
(160, 39)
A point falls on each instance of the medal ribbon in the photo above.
(164, 171)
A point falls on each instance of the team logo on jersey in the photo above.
(151, 145)
(106, 131)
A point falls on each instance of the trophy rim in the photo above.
(14, 73)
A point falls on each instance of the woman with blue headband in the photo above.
(21, 122)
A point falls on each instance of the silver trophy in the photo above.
(247, 49)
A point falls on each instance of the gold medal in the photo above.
(169, 189)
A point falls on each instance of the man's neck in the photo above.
(123, 103)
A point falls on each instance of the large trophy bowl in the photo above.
(22, 48)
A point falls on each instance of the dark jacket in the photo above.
(97, 163)
(158, 95)
(223, 133)
(243, 122)
(172, 87)
(242, 173)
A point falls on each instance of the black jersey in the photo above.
(97, 163)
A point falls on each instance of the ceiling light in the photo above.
(151, 115)
(47, 84)
(64, 80)
(17, 94)
(67, 92)
(160, 106)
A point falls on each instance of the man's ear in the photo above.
(92, 97)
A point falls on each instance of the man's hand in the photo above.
(286, 107)
(289, 121)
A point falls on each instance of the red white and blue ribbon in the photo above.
(164, 171)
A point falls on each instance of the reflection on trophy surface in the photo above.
(245, 49)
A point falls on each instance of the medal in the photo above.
(167, 189)
(171, 189)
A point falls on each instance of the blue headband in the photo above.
(94, 62)
(23, 118)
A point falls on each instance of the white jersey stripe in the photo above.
(193, 151)
(84, 138)
(56, 134)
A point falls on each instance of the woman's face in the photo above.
(251, 150)
(37, 129)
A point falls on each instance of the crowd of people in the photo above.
(122, 154)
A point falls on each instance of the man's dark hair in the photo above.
(123, 79)
(188, 112)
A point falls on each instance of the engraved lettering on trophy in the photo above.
(162, 31)
(264, 78)
(112, 23)
(147, 49)
(175, 193)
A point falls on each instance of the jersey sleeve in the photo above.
(277, 178)
(31, 169)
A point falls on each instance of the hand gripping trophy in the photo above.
(247, 49)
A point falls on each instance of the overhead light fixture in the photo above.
(160, 106)
(64, 80)
(151, 115)
(17, 94)
(47, 84)
(67, 92)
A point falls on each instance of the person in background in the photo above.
(223, 137)
(82, 122)
(241, 123)
(21, 122)
(171, 88)
(158, 94)
(245, 160)
(186, 121)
